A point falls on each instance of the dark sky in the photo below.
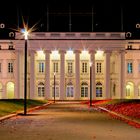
(56, 16)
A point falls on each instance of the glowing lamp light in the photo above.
(25, 33)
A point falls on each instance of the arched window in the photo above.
(129, 90)
(56, 90)
(41, 91)
(84, 89)
(10, 87)
(99, 91)
(70, 90)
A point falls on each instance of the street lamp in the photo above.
(54, 87)
(25, 33)
(90, 83)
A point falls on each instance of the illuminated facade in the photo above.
(115, 66)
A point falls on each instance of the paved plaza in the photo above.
(67, 121)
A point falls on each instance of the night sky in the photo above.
(56, 16)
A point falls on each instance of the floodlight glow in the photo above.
(25, 33)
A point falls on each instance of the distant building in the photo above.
(115, 66)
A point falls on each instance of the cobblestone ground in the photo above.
(66, 121)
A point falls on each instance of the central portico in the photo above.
(68, 55)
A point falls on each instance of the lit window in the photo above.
(70, 90)
(128, 91)
(41, 91)
(99, 68)
(139, 91)
(99, 90)
(41, 67)
(70, 67)
(84, 67)
(55, 67)
(84, 90)
(129, 67)
(10, 67)
(56, 91)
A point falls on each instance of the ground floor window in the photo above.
(84, 90)
(56, 91)
(41, 91)
(70, 90)
(99, 91)
(129, 90)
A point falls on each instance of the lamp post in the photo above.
(90, 83)
(25, 33)
(54, 87)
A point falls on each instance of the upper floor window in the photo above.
(11, 47)
(129, 67)
(98, 67)
(10, 67)
(84, 67)
(41, 67)
(70, 67)
(129, 47)
(55, 67)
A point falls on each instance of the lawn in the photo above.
(15, 105)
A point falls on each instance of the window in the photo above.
(70, 90)
(99, 90)
(129, 67)
(11, 47)
(99, 68)
(55, 67)
(84, 90)
(41, 91)
(84, 67)
(56, 91)
(70, 65)
(139, 91)
(0, 67)
(10, 67)
(114, 89)
(128, 91)
(41, 67)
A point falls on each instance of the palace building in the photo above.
(69, 56)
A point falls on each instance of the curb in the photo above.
(21, 112)
(122, 117)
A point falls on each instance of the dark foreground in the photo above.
(66, 121)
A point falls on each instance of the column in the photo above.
(32, 74)
(77, 75)
(107, 74)
(47, 74)
(62, 75)
(121, 73)
(17, 75)
(92, 59)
